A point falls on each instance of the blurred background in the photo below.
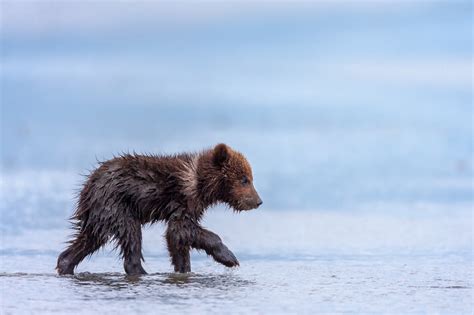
(356, 116)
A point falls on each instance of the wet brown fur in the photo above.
(128, 191)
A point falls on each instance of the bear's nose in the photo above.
(259, 202)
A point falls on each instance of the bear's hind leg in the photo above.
(129, 238)
(84, 244)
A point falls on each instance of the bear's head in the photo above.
(236, 179)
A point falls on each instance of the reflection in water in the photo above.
(166, 288)
(121, 281)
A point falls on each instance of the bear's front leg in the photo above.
(178, 238)
(212, 244)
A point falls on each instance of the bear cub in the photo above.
(128, 191)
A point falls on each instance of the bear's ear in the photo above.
(221, 154)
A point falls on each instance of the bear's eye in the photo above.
(245, 180)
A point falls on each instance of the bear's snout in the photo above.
(257, 201)
(254, 201)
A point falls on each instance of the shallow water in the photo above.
(354, 284)
(291, 262)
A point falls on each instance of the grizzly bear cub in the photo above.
(128, 191)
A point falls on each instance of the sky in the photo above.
(340, 105)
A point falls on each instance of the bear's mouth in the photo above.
(247, 205)
(245, 208)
